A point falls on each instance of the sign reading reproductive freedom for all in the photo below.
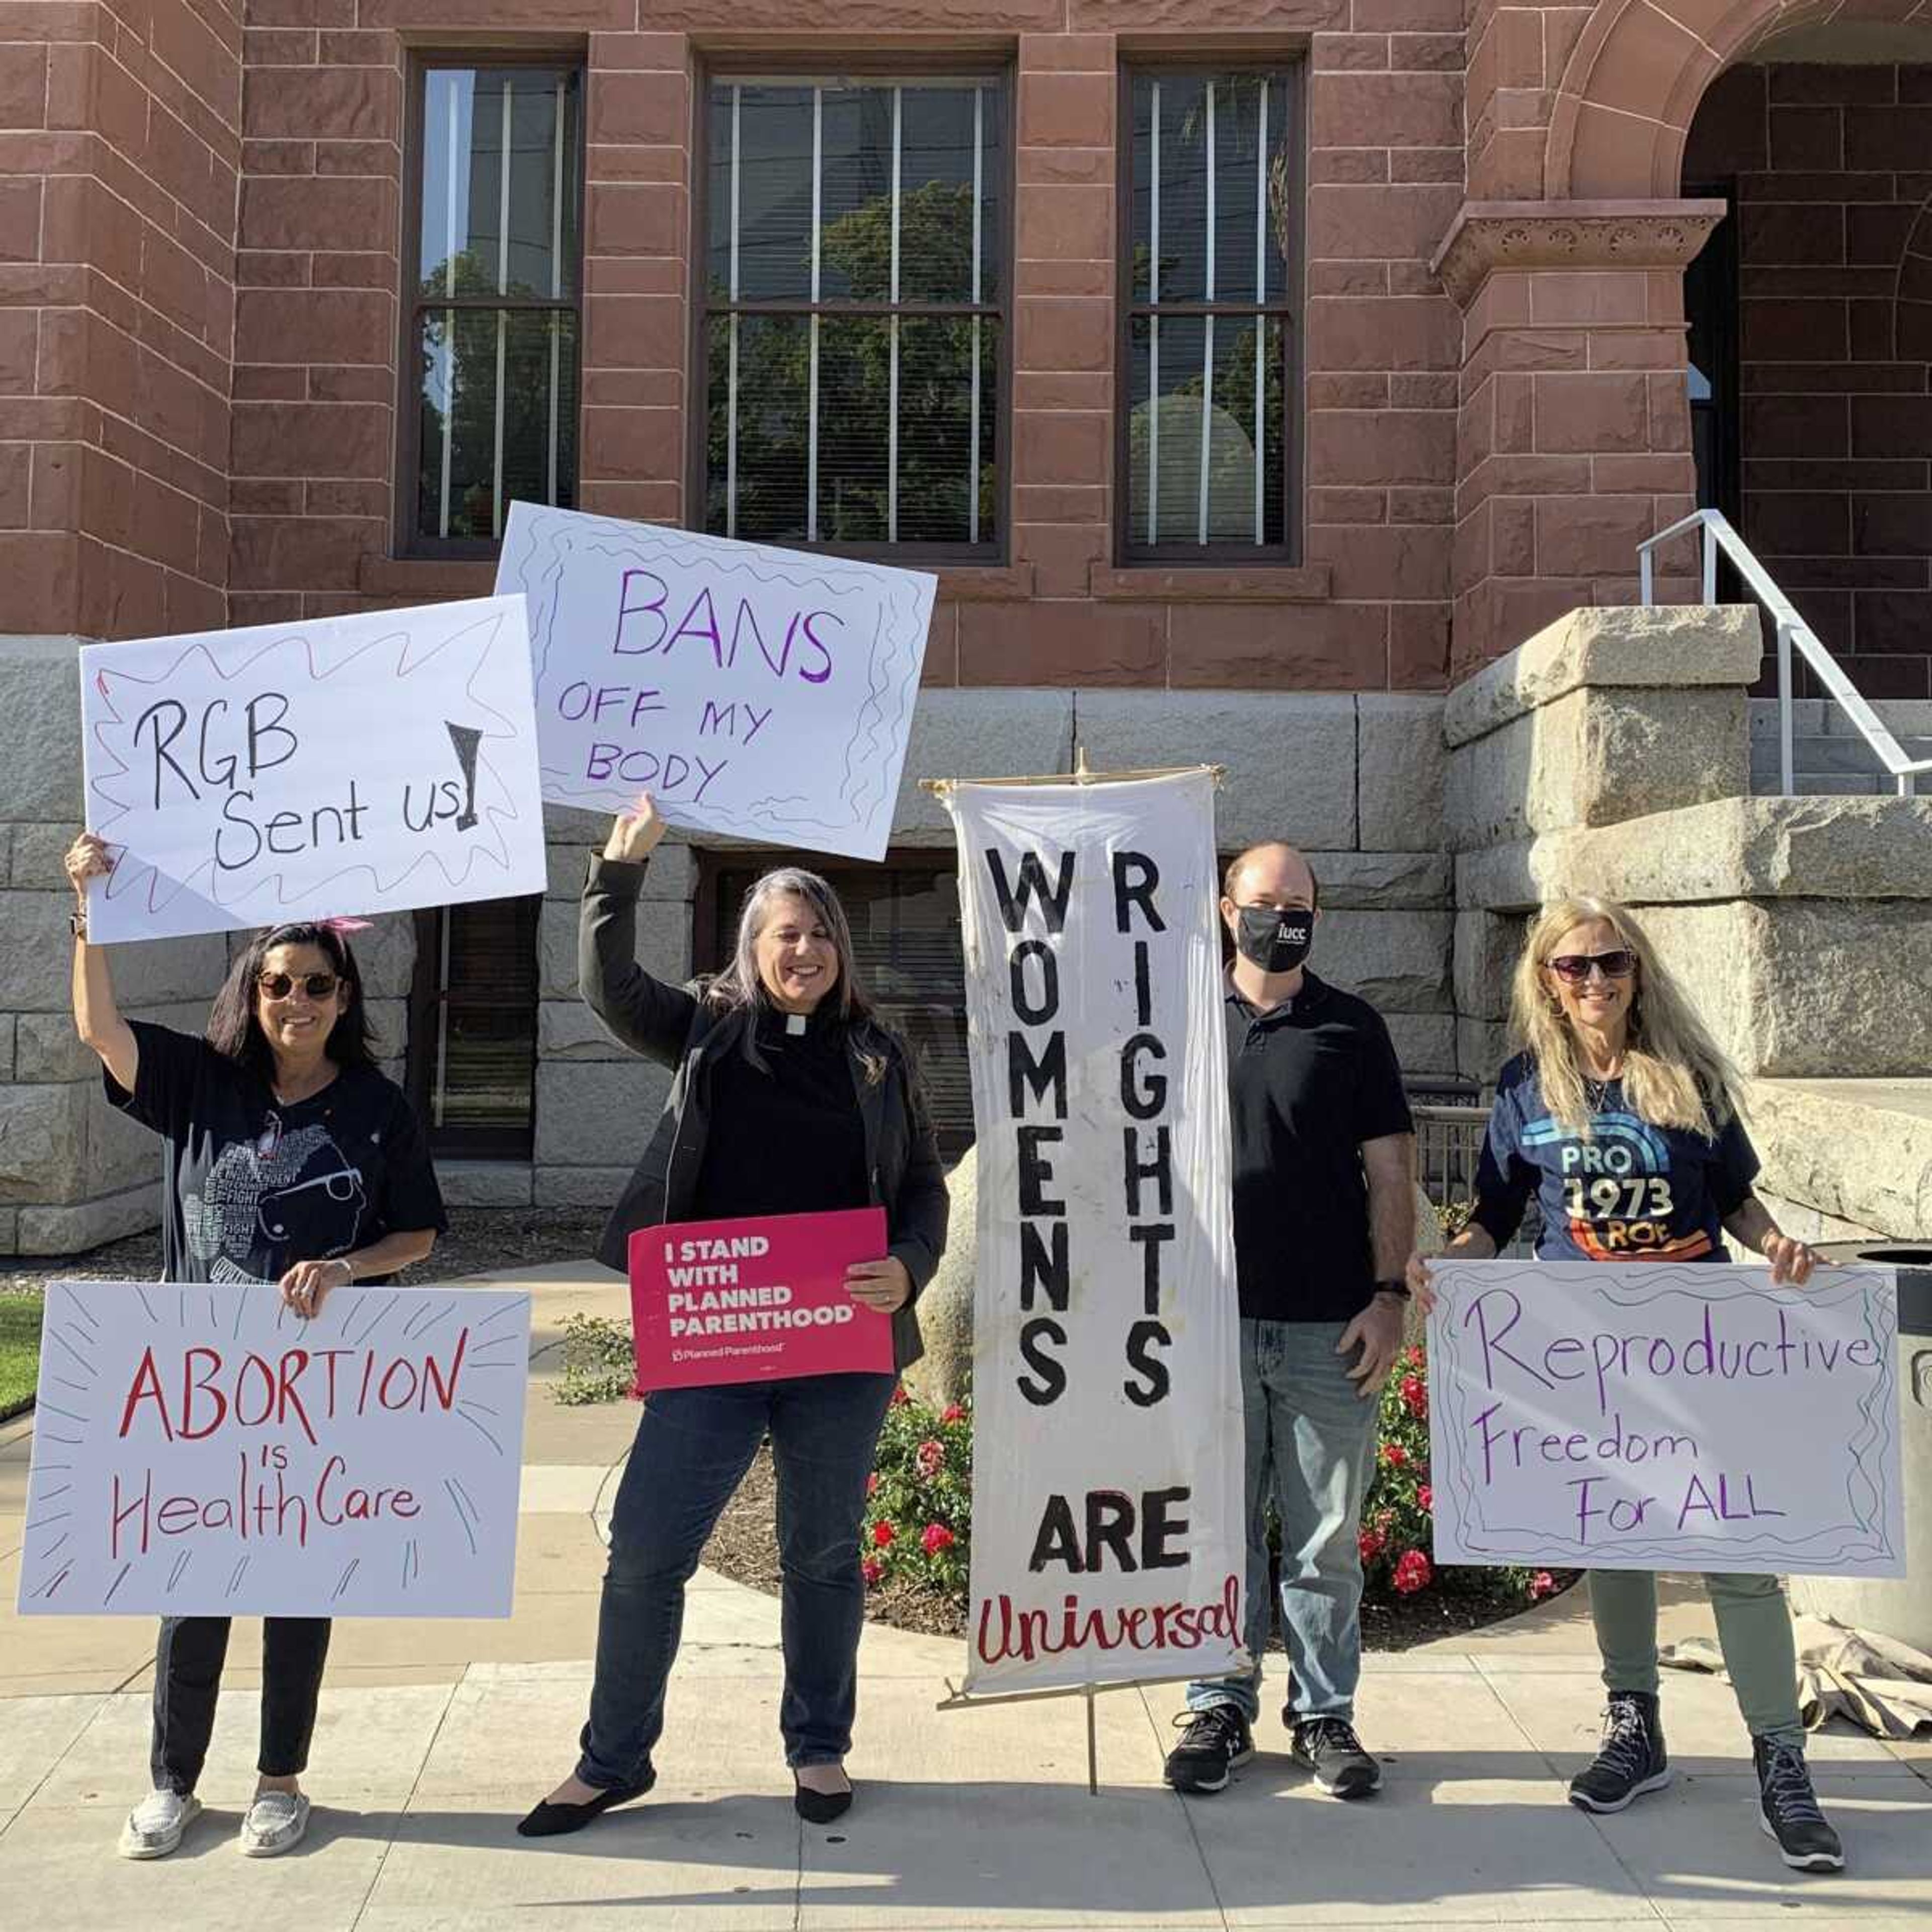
(1107, 1488)
(203, 1452)
(361, 764)
(755, 1300)
(1633, 1416)
(764, 693)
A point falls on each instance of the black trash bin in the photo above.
(1899, 1607)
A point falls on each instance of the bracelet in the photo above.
(1396, 1286)
(349, 1279)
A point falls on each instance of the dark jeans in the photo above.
(187, 1681)
(692, 1449)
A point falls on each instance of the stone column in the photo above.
(1573, 437)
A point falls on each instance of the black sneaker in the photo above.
(1787, 1808)
(1329, 1748)
(1216, 1741)
(1630, 1760)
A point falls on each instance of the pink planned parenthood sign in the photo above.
(755, 1300)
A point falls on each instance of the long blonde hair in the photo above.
(1675, 1074)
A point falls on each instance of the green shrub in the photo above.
(599, 1364)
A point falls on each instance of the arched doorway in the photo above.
(1810, 315)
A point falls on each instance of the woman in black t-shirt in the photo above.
(290, 1161)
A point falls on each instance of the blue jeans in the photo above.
(1310, 1444)
(692, 1449)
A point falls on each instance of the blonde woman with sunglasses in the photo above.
(289, 1161)
(1619, 1116)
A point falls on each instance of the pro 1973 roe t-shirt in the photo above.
(251, 1186)
(1632, 1192)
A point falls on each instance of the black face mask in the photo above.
(1276, 940)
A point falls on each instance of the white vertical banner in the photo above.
(1107, 1482)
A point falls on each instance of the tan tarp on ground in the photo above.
(1881, 1685)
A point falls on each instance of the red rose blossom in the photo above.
(953, 1411)
(1394, 1455)
(883, 1532)
(900, 1398)
(1412, 1572)
(1412, 1356)
(871, 1568)
(931, 1457)
(937, 1537)
(872, 1483)
(1415, 1397)
(1371, 1542)
(1425, 1498)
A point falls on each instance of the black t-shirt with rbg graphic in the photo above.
(251, 1186)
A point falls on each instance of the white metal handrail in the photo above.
(1792, 629)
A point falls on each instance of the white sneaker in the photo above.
(275, 1823)
(154, 1826)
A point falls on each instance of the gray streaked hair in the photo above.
(738, 987)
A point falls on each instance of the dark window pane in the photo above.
(1169, 433)
(1255, 192)
(462, 349)
(482, 1083)
(854, 358)
(471, 118)
(770, 356)
(942, 464)
(774, 194)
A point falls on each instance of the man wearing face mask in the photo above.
(1324, 1164)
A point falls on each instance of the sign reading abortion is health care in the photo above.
(764, 693)
(203, 1452)
(363, 764)
(1626, 1416)
(755, 1300)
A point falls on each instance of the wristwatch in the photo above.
(77, 922)
(1396, 1287)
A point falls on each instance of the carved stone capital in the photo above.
(1489, 235)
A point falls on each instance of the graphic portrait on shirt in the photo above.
(288, 1193)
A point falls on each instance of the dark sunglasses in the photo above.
(1573, 968)
(279, 985)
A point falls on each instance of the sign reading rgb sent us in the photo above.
(1635, 1417)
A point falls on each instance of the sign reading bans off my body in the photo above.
(767, 693)
(369, 764)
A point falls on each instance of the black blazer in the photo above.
(678, 1028)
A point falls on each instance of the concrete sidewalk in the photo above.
(435, 1736)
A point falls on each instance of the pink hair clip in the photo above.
(342, 925)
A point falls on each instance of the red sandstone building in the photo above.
(1262, 348)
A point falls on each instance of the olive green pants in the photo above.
(1753, 1632)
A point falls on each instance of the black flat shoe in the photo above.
(820, 1808)
(553, 1821)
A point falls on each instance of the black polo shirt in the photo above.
(1308, 1083)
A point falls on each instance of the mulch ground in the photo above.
(744, 1546)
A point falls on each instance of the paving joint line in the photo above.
(409, 1798)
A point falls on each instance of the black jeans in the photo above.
(187, 1682)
